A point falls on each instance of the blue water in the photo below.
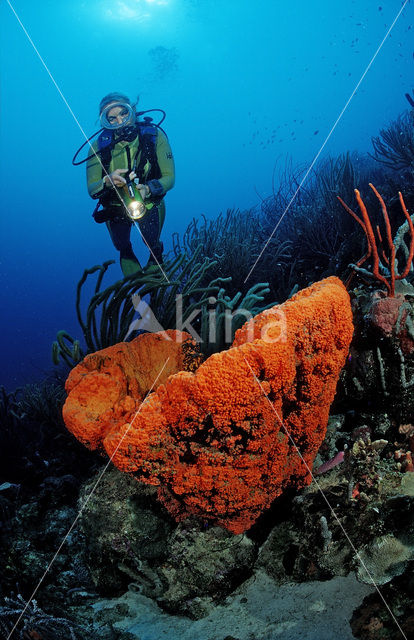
(244, 84)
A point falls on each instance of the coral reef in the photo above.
(32, 622)
(126, 533)
(302, 208)
(212, 495)
(394, 147)
(373, 621)
(222, 443)
(33, 439)
(110, 312)
(42, 403)
(380, 368)
(233, 241)
(356, 517)
(132, 543)
(170, 298)
(383, 263)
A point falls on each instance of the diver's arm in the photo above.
(166, 164)
(94, 176)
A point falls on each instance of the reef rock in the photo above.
(380, 370)
(132, 543)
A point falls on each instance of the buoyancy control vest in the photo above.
(147, 135)
(147, 166)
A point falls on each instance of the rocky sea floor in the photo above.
(259, 609)
(128, 571)
(306, 569)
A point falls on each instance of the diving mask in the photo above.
(117, 115)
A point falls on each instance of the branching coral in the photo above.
(300, 212)
(110, 313)
(29, 621)
(394, 147)
(233, 240)
(219, 442)
(42, 403)
(223, 316)
(382, 263)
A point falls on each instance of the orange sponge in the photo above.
(222, 443)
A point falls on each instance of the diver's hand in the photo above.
(144, 190)
(115, 179)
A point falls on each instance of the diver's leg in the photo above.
(120, 232)
(150, 227)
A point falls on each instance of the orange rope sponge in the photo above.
(222, 443)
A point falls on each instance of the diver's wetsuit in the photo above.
(119, 225)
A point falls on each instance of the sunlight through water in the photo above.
(137, 10)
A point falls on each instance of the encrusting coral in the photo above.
(223, 442)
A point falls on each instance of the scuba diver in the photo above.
(129, 172)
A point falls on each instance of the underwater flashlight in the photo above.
(132, 199)
(136, 210)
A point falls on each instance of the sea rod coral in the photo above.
(383, 264)
(224, 441)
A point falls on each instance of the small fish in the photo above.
(316, 132)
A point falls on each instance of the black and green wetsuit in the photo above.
(159, 178)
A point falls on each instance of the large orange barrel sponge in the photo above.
(223, 442)
(106, 389)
